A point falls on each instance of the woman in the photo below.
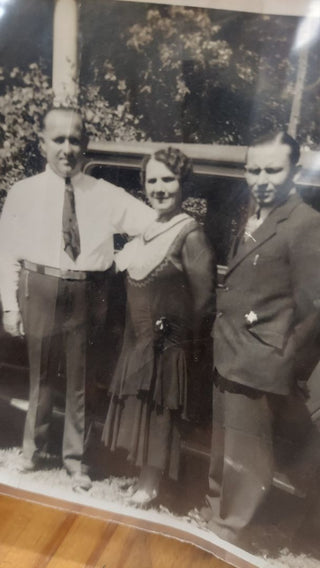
(170, 302)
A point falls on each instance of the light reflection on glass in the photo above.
(308, 30)
(3, 4)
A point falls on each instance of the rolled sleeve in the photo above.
(9, 245)
(128, 214)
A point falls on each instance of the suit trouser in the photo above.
(55, 316)
(245, 429)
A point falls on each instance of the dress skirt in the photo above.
(150, 434)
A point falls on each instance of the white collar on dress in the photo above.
(144, 253)
(157, 228)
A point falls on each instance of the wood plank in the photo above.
(35, 536)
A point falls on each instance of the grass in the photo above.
(109, 494)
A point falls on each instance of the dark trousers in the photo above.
(56, 318)
(247, 428)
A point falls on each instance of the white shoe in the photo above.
(129, 491)
(26, 466)
(81, 482)
(142, 497)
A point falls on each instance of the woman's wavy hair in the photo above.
(175, 160)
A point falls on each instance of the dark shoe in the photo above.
(80, 482)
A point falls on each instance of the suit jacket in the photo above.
(266, 334)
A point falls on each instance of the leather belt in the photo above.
(58, 273)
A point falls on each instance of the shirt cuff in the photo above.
(9, 302)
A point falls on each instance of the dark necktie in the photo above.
(70, 226)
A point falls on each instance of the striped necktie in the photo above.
(70, 226)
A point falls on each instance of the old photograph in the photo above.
(159, 268)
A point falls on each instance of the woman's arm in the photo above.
(200, 268)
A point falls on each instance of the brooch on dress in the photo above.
(251, 317)
(162, 329)
(162, 326)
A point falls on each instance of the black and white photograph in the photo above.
(160, 268)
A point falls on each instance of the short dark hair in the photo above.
(175, 160)
(283, 138)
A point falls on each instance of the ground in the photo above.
(284, 534)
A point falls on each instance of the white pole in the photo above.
(65, 51)
(295, 115)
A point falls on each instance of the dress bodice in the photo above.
(169, 290)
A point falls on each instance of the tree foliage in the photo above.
(201, 75)
(198, 75)
(225, 71)
(26, 99)
(166, 73)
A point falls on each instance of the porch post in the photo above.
(65, 68)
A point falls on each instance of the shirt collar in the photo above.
(264, 211)
(49, 171)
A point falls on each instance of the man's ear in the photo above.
(42, 144)
(245, 171)
(84, 142)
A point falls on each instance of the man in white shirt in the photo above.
(56, 247)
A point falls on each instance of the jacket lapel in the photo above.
(266, 230)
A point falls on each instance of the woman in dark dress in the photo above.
(170, 304)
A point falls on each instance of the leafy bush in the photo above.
(196, 75)
(26, 98)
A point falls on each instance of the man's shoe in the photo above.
(224, 533)
(27, 465)
(81, 482)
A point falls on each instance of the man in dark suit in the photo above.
(266, 334)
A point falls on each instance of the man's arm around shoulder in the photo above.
(129, 214)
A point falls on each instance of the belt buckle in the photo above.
(64, 275)
(74, 275)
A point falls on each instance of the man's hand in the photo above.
(12, 323)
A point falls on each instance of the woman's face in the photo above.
(162, 188)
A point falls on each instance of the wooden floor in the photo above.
(36, 536)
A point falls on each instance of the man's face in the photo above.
(62, 142)
(269, 172)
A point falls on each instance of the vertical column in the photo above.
(295, 115)
(65, 51)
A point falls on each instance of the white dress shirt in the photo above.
(31, 226)
(254, 222)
